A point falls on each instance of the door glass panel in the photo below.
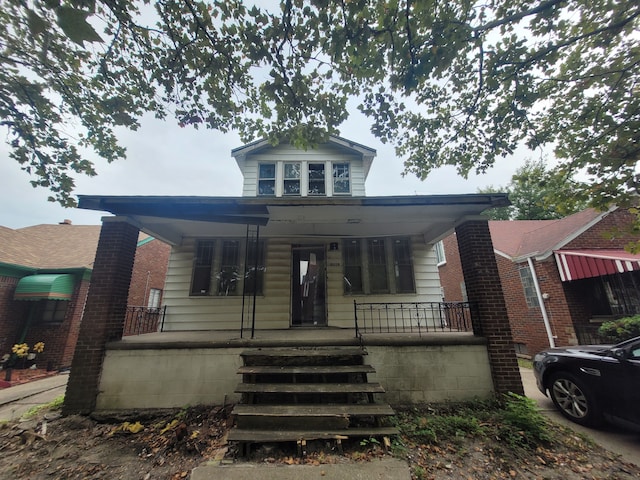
(308, 295)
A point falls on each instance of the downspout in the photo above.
(543, 309)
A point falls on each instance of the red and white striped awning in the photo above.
(577, 264)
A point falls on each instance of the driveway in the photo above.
(624, 443)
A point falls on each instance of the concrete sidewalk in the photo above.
(387, 468)
(17, 400)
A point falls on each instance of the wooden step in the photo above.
(341, 410)
(304, 352)
(260, 436)
(310, 388)
(305, 370)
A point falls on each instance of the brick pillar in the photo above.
(103, 319)
(485, 291)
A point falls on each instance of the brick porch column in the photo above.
(485, 290)
(104, 315)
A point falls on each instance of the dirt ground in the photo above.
(169, 444)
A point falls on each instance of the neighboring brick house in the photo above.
(561, 278)
(45, 273)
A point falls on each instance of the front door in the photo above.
(308, 296)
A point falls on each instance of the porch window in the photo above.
(229, 271)
(529, 288)
(403, 266)
(254, 270)
(203, 262)
(365, 266)
(341, 179)
(291, 179)
(267, 179)
(352, 259)
(316, 179)
(377, 263)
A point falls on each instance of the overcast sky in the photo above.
(164, 159)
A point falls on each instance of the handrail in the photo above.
(140, 320)
(412, 317)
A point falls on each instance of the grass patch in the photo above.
(525, 363)
(55, 404)
(513, 420)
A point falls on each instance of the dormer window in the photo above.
(267, 179)
(317, 179)
(291, 184)
(341, 179)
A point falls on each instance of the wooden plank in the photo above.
(304, 370)
(304, 352)
(355, 410)
(310, 388)
(259, 436)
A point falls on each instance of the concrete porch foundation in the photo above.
(174, 369)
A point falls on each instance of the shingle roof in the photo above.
(523, 238)
(50, 246)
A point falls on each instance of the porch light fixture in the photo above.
(333, 246)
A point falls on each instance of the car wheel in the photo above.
(574, 400)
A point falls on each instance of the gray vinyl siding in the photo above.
(185, 312)
(287, 153)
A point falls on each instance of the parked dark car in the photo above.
(591, 383)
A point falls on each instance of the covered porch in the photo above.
(199, 365)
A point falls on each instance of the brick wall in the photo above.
(104, 314)
(617, 222)
(13, 313)
(451, 272)
(485, 290)
(151, 262)
(60, 339)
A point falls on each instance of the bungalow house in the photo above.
(45, 273)
(303, 260)
(561, 278)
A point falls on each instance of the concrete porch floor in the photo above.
(291, 337)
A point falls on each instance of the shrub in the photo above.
(523, 424)
(617, 331)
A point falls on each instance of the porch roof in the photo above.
(173, 218)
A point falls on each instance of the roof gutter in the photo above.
(543, 309)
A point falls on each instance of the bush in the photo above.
(617, 331)
(523, 424)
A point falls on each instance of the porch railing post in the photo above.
(355, 317)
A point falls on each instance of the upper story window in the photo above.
(267, 179)
(291, 185)
(316, 179)
(341, 179)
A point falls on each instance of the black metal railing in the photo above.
(412, 317)
(587, 334)
(139, 320)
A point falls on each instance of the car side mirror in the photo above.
(620, 353)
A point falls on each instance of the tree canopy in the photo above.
(447, 83)
(538, 194)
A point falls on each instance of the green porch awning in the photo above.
(49, 286)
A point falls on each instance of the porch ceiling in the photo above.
(173, 218)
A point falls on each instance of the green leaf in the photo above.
(36, 23)
(73, 23)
